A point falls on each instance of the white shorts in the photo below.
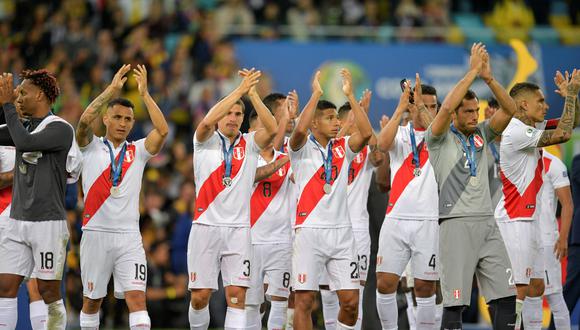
(362, 240)
(270, 265)
(104, 254)
(212, 249)
(34, 249)
(408, 275)
(316, 249)
(553, 271)
(404, 240)
(525, 249)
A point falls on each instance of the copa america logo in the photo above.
(331, 81)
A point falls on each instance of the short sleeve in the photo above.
(350, 155)
(141, 151)
(91, 146)
(488, 132)
(251, 138)
(558, 174)
(434, 141)
(523, 137)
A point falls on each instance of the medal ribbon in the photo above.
(228, 153)
(116, 168)
(494, 152)
(469, 150)
(414, 146)
(327, 161)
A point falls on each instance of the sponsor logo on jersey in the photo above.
(338, 152)
(192, 276)
(302, 278)
(238, 153)
(456, 294)
(91, 286)
(528, 272)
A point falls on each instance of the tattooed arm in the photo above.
(84, 134)
(563, 131)
(265, 171)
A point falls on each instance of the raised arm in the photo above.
(563, 132)
(388, 132)
(564, 195)
(84, 134)
(265, 171)
(283, 120)
(266, 134)
(562, 84)
(359, 139)
(502, 117)
(156, 137)
(207, 125)
(424, 113)
(442, 120)
(300, 133)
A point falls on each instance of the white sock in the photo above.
(235, 319)
(438, 315)
(277, 315)
(253, 319)
(38, 315)
(387, 309)
(560, 311)
(358, 324)
(519, 307)
(198, 319)
(290, 319)
(342, 326)
(411, 310)
(139, 320)
(89, 321)
(532, 313)
(8, 313)
(426, 313)
(330, 308)
(56, 316)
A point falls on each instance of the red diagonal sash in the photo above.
(213, 185)
(265, 192)
(547, 162)
(404, 176)
(101, 188)
(522, 206)
(5, 198)
(313, 190)
(356, 165)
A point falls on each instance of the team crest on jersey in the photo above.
(281, 171)
(338, 152)
(456, 294)
(478, 141)
(192, 276)
(302, 278)
(129, 156)
(359, 158)
(239, 153)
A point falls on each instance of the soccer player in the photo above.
(469, 240)
(270, 216)
(556, 188)
(323, 232)
(38, 311)
(35, 238)
(521, 174)
(493, 154)
(113, 168)
(225, 162)
(409, 232)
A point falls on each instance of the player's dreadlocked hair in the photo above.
(43, 80)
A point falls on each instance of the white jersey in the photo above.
(104, 211)
(520, 172)
(315, 208)
(217, 204)
(411, 197)
(360, 173)
(7, 159)
(555, 177)
(271, 206)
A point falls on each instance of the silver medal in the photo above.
(227, 181)
(327, 188)
(115, 192)
(23, 168)
(474, 181)
(417, 171)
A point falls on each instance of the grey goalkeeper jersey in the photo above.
(457, 197)
(38, 191)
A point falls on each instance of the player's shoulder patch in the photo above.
(529, 132)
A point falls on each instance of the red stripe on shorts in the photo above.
(101, 188)
(404, 176)
(213, 185)
(313, 191)
(522, 206)
(265, 192)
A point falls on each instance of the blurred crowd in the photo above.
(191, 60)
